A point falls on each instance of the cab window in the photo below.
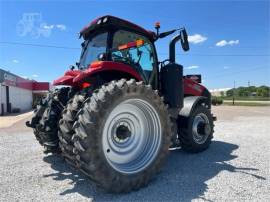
(139, 56)
(92, 48)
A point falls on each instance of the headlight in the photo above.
(99, 21)
(105, 20)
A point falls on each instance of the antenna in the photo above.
(157, 26)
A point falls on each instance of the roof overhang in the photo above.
(110, 22)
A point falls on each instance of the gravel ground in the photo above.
(7, 121)
(235, 167)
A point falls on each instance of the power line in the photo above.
(190, 54)
(235, 47)
(227, 55)
(39, 45)
(219, 55)
(237, 72)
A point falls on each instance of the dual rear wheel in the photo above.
(120, 135)
(46, 117)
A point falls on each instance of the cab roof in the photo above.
(111, 22)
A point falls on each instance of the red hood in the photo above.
(191, 87)
(72, 73)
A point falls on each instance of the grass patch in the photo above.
(249, 104)
(248, 98)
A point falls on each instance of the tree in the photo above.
(222, 93)
(265, 92)
(229, 93)
(261, 91)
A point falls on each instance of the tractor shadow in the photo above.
(183, 177)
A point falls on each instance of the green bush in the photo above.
(217, 100)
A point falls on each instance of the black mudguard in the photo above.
(191, 102)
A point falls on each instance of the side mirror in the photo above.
(83, 44)
(101, 57)
(71, 67)
(184, 39)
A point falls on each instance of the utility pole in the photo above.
(248, 83)
(233, 91)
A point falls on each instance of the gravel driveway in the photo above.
(236, 166)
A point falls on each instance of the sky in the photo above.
(229, 40)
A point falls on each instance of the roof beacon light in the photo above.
(157, 25)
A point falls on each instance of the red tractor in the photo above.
(124, 109)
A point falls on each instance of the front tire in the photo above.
(122, 136)
(196, 131)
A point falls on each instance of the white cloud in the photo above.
(221, 43)
(196, 38)
(192, 67)
(15, 61)
(233, 42)
(226, 67)
(225, 43)
(49, 27)
(61, 27)
(34, 75)
(32, 24)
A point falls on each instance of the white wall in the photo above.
(3, 97)
(20, 98)
(0, 96)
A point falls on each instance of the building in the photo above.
(219, 92)
(18, 94)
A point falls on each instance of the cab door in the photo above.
(141, 58)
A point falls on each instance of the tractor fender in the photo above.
(109, 67)
(67, 79)
(190, 103)
(64, 80)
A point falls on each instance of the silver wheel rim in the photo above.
(201, 128)
(131, 136)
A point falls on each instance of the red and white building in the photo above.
(19, 93)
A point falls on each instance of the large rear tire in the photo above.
(46, 117)
(66, 131)
(122, 135)
(196, 131)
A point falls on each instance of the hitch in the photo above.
(30, 125)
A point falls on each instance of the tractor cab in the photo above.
(112, 39)
(112, 42)
(121, 49)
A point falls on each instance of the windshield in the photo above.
(92, 48)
